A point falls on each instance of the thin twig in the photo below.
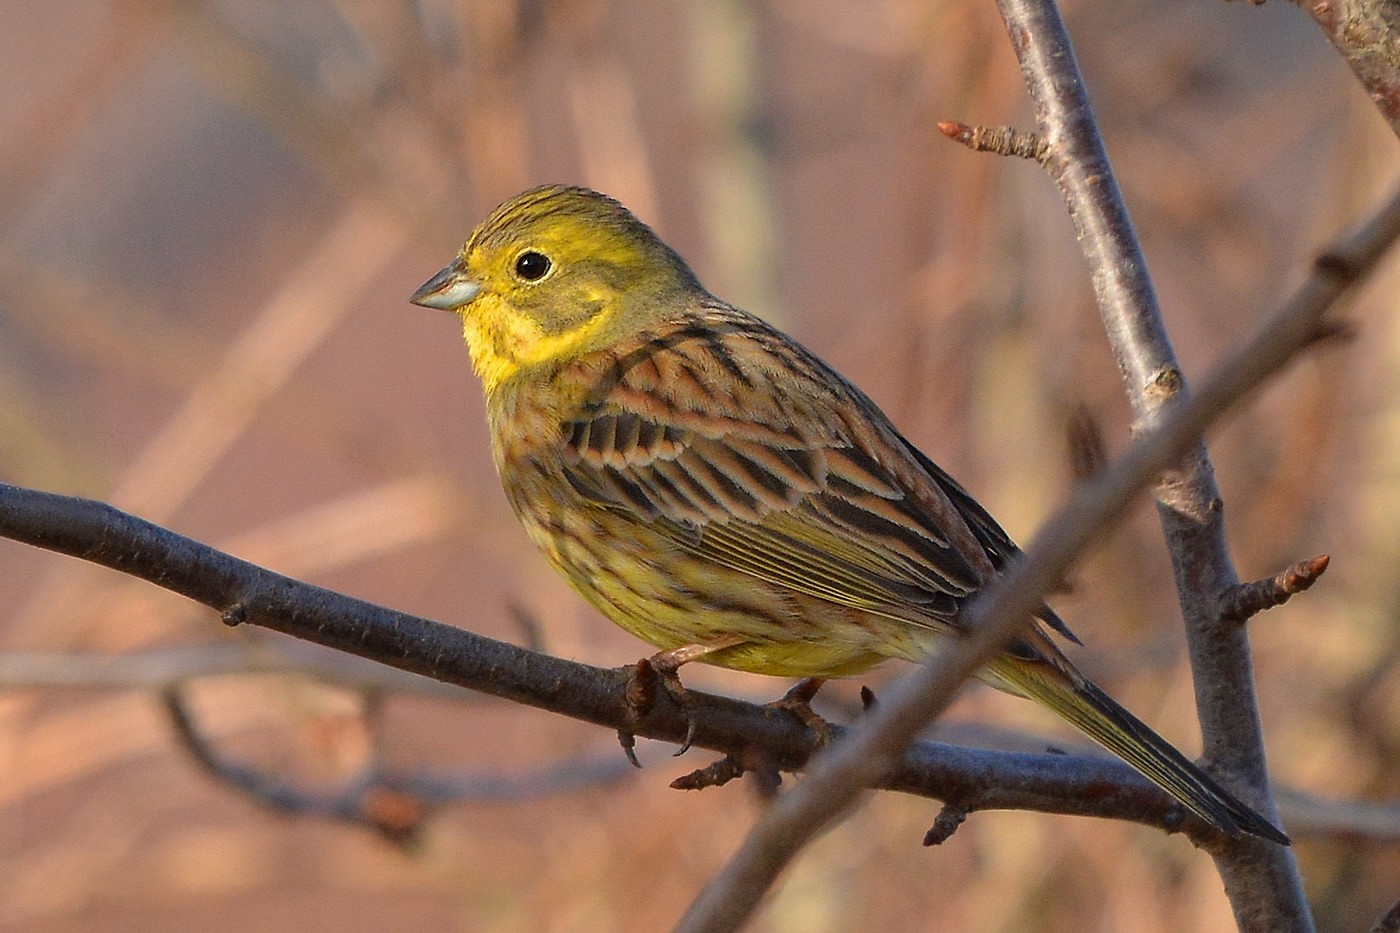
(1245, 600)
(945, 824)
(716, 774)
(1001, 140)
(393, 803)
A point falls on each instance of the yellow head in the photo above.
(553, 273)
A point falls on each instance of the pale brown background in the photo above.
(211, 216)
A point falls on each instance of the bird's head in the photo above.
(554, 273)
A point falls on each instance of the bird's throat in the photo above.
(504, 343)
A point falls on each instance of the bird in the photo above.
(720, 492)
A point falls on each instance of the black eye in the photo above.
(531, 266)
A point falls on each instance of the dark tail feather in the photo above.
(1098, 716)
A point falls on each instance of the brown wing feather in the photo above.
(775, 477)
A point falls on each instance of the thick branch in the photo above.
(977, 778)
(1188, 497)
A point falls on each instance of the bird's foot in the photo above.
(660, 670)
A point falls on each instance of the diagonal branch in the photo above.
(998, 612)
(1367, 34)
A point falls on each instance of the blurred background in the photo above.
(211, 216)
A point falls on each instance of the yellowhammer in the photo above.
(719, 492)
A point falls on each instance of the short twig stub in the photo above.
(945, 824)
(1003, 140)
(1240, 602)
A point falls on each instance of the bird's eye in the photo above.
(531, 266)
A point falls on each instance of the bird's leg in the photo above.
(798, 701)
(661, 668)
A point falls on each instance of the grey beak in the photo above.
(448, 290)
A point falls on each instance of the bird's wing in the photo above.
(747, 451)
(996, 543)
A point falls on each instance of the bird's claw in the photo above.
(628, 741)
(649, 673)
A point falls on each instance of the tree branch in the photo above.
(392, 802)
(163, 668)
(998, 612)
(1262, 881)
(981, 779)
(1367, 34)
(1245, 600)
(244, 593)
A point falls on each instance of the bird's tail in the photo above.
(1098, 716)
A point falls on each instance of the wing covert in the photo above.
(776, 483)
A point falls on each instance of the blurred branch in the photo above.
(1308, 815)
(333, 137)
(54, 125)
(296, 321)
(391, 803)
(218, 410)
(1367, 33)
(366, 801)
(1388, 922)
(165, 668)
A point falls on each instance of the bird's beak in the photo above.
(449, 290)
